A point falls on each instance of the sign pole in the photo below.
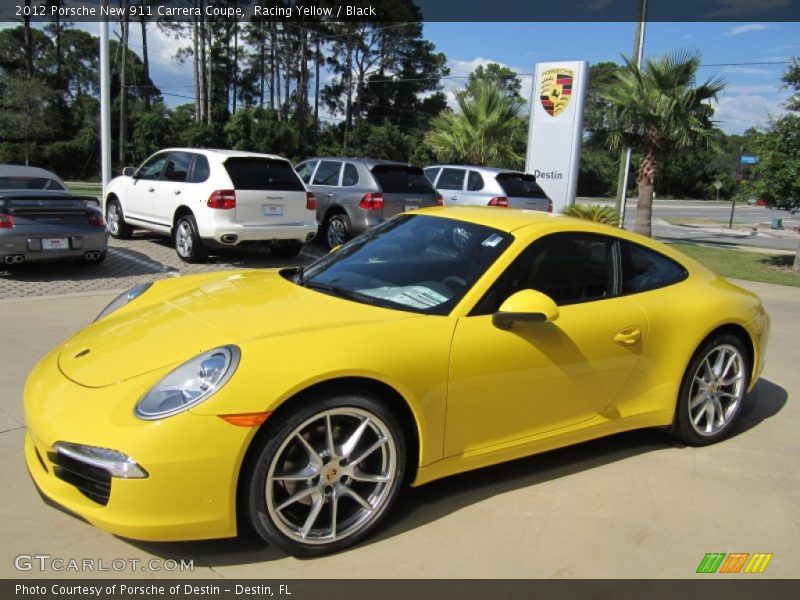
(105, 108)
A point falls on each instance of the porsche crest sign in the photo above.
(556, 90)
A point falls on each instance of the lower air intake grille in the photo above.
(92, 482)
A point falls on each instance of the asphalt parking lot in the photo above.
(634, 505)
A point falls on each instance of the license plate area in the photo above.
(410, 207)
(273, 210)
(51, 244)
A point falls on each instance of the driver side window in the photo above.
(152, 168)
(570, 268)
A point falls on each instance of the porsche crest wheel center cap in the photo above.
(332, 475)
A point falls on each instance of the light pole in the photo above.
(105, 107)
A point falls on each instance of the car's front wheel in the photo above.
(117, 227)
(712, 391)
(188, 243)
(325, 474)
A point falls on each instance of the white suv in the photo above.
(213, 198)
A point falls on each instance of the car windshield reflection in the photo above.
(416, 263)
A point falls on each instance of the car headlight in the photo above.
(189, 384)
(123, 299)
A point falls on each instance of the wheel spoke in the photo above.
(735, 379)
(717, 370)
(350, 445)
(697, 401)
(698, 415)
(329, 437)
(360, 475)
(304, 493)
(728, 365)
(346, 491)
(334, 511)
(718, 410)
(728, 394)
(380, 442)
(303, 475)
(710, 417)
(315, 460)
(316, 507)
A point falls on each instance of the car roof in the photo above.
(224, 153)
(23, 171)
(504, 219)
(369, 162)
(492, 170)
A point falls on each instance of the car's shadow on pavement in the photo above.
(416, 507)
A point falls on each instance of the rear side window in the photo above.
(350, 175)
(474, 182)
(201, 169)
(253, 173)
(327, 173)
(401, 179)
(644, 269)
(431, 173)
(451, 179)
(177, 168)
(520, 185)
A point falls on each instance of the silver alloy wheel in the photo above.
(717, 389)
(336, 233)
(113, 218)
(183, 239)
(332, 476)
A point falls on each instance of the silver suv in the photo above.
(485, 186)
(354, 194)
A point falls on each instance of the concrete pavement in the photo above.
(635, 505)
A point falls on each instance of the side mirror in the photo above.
(526, 306)
(129, 172)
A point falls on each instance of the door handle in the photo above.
(151, 189)
(629, 336)
(329, 195)
(453, 197)
(177, 192)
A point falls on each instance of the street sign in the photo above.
(748, 159)
(718, 184)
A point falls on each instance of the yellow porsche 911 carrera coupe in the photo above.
(299, 401)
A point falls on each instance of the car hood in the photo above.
(176, 320)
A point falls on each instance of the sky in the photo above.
(750, 56)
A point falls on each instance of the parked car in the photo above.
(302, 400)
(485, 186)
(213, 198)
(40, 220)
(354, 194)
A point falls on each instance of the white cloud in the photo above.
(460, 70)
(749, 27)
(737, 112)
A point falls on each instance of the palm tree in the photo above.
(482, 132)
(656, 108)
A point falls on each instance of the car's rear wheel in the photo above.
(188, 243)
(117, 227)
(712, 391)
(325, 474)
(285, 248)
(337, 232)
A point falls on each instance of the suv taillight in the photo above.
(499, 201)
(549, 205)
(222, 199)
(6, 222)
(96, 219)
(439, 200)
(372, 201)
(311, 201)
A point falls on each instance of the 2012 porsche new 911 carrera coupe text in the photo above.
(300, 401)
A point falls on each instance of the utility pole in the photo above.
(105, 107)
(625, 156)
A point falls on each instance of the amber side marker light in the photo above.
(246, 419)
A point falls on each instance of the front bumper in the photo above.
(192, 461)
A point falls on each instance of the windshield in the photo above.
(417, 263)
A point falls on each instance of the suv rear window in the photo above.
(400, 179)
(251, 173)
(520, 185)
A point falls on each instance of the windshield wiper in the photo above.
(341, 292)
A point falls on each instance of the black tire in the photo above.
(286, 248)
(694, 424)
(188, 243)
(278, 446)
(115, 218)
(337, 230)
